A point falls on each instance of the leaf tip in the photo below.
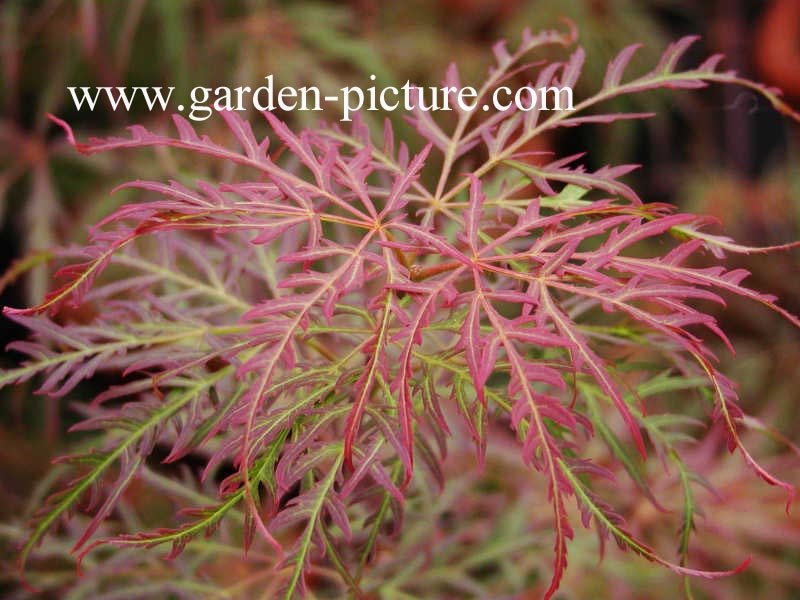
(68, 131)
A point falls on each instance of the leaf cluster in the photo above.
(319, 328)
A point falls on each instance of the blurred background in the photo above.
(720, 151)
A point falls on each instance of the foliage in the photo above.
(324, 323)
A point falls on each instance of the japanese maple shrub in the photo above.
(318, 329)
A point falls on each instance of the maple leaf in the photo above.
(312, 327)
